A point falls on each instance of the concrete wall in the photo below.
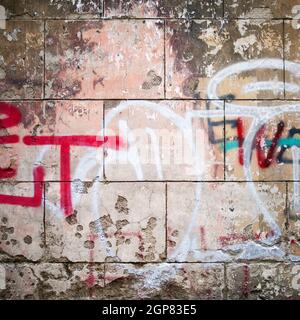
(150, 149)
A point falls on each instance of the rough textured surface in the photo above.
(53, 118)
(263, 281)
(41, 9)
(130, 227)
(21, 73)
(149, 149)
(224, 229)
(21, 229)
(52, 281)
(197, 49)
(291, 52)
(176, 156)
(164, 281)
(84, 58)
(256, 9)
(282, 159)
(186, 9)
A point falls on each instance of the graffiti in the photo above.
(246, 142)
(286, 144)
(241, 137)
(65, 142)
(253, 138)
(264, 162)
(260, 143)
(231, 238)
(36, 200)
(283, 143)
(13, 118)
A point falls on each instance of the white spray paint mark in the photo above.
(260, 115)
(133, 155)
(271, 86)
(240, 67)
(155, 148)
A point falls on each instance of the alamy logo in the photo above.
(2, 278)
(2, 18)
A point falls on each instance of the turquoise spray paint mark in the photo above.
(287, 142)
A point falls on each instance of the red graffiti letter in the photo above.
(13, 118)
(65, 142)
(35, 201)
(264, 162)
(240, 135)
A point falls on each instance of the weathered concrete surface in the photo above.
(197, 49)
(291, 52)
(225, 224)
(21, 73)
(130, 227)
(89, 59)
(293, 211)
(41, 9)
(256, 9)
(21, 228)
(187, 9)
(50, 119)
(52, 281)
(149, 149)
(262, 168)
(263, 281)
(167, 122)
(164, 281)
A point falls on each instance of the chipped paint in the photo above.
(149, 149)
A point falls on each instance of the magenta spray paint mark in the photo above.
(246, 279)
(203, 238)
